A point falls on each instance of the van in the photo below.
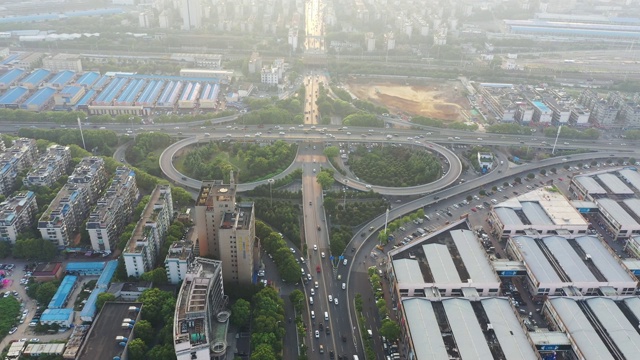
(313, 314)
(326, 316)
(310, 300)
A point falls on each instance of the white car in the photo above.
(293, 251)
(330, 298)
(34, 340)
(315, 247)
(344, 286)
(335, 301)
(312, 292)
(322, 254)
(315, 285)
(317, 334)
(344, 262)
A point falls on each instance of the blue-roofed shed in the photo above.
(86, 98)
(88, 79)
(13, 97)
(61, 79)
(36, 78)
(69, 95)
(93, 268)
(62, 317)
(39, 100)
(61, 296)
(107, 274)
(89, 310)
(10, 78)
(9, 59)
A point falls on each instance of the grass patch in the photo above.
(10, 311)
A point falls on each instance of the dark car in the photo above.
(436, 197)
(344, 338)
(327, 330)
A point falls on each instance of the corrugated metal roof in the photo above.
(535, 213)
(620, 330)
(13, 95)
(590, 185)
(466, 330)
(11, 76)
(580, 329)
(36, 77)
(407, 271)
(535, 260)
(513, 341)
(40, 97)
(633, 204)
(441, 264)
(568, 259)
(633, 303)
(64, 290)
(424, 329)
(615, 185)
(473, 256)
(507, 216)
(632, 177)
(603, 260)
(617, 212)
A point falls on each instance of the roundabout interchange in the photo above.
(310, 158)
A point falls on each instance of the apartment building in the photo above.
(201, 319)
(178, 260)
(16, 214)
(50, 167)
(71, 205)
(19, 157)
(140, 254)
(28, 61)
(226, 230)
(113, 211)
(60, 62)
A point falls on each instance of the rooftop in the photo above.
(158, 198)
(548, 207)
(101, 342)
(102, 213)
(215, 189)
(240, 219)
(180, 250)
(615, 185)
(604, 259)
(616, 211)
(631, 176)
(590, 185)
(11, 208)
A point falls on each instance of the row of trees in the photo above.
(340, 237)
(570, 133)
(328, 107)
(103, 141)
(254, 161)
(441, 124)
(352, 213)
(397, 223)
(508, 128)
(389, 328)
(395, 166)
(284, 259)
(363, 119)
(282, 214)
(10, 311)
(267, 325)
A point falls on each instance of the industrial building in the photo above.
(541, 212)
(111, 332)
(91, 268)
(129, 291)
(47, 271)
(35, 79)
(50, 167)
(140, 254)
(170, 95)
(11, 78)
(14, 97)
(178, 259)
(113, 211)
(150, 94)
(16, 214)
(60, 62)
(209, 96)
(557, 266)
(62, 317)
(189, 96)
(226, 230)
(65, 289)
(450, 262)
(201, 317)
(40, 100)
(69, 96)
(89, 310)
(61, 79)
(88, 79)
(480, 328)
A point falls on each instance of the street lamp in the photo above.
(270, 181)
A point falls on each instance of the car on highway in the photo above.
(317, 334)
(322, 255)
(312, 292)
(330, 298)
(315, 284)
(344, 286)
(315, 247)
(335, 301)
(344, 262)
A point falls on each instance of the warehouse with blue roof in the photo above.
(10, 78)
(84, 102)
(92, 268)
(89, 311)
(170, 94)
(61, 79)
(69, 95)
(13, 98)
(40, 100)
(65, 289)
(209, 96)
(88, 79)
(62, 317)
(111, 91)
(9, 59)
(35, 79)
(130, 93)
(150, 93)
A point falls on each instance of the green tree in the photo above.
(5, 249)
(297, 298)
(390, 329)
(290, 271)
(325, 179)
(103, 298)
(137, 349)
(420, 213)
(181, 196)
(162, 352)
(518, 180)
(158, 276)
(482, 192)
(505, 184)
(37, 249)
(531, 176)
(553, 170)
(145, 331)
(45, 292)
(157, 305)
(331, 151)
(469, 198)
(240, 313)
(263, 352)
(494, 188)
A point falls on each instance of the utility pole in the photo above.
(84, 146)
(553, 151)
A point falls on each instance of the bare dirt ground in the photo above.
(444, 101)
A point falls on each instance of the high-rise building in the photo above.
(113, 211)
(226, 230)
(201, 318)
(14, 160)
(16, 214)
(50, 167)
(191, 12)
(142, 250)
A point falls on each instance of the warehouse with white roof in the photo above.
(541, 212)
(558, 266)
(619, 222)
(631, 177)
(449, 263)
(613, 337)
(614, 184)
(457, 328)
(586, 188)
